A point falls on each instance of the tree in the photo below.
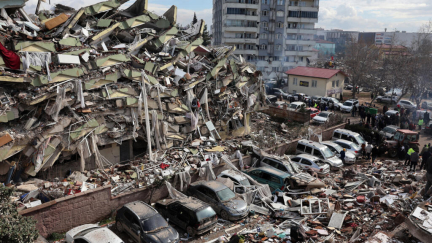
(195, 20)
(206, 37)
(14, 228)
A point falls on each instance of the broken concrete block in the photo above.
(68, 59)
(51, 24)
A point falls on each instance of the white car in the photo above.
(91, 233)
(322, 117)
(348, 105)
(407, 104)
(350, 157)
(349, 146)
(295, 106)
(310, 162)
(387, 99)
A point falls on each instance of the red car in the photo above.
(313, 112)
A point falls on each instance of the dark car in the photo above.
(190, 214)
(221, 198)
(144, 224)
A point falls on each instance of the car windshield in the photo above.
(208, 212)
(154, 223)
(292, 106)
(325, 115)
(359, 139)
(245, 182)
(389, 130)
(327, 152)
(355, 146)
(347, 103)
(337, 147)
(225, 194)
(396, 136)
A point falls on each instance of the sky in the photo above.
(359, 15)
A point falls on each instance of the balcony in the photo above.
(301, 31)
(302, 20)
(236, 4)
(307, 8)
(300, 42)
(246, 52)
(240, 40)
(240, 17)
(299, 53)
(240, 29)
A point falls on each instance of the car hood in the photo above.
(238, 205)
(346, 107)
(168, 234)
(350, 155)
(334, 160)
(388, 135)
(320, 118)
(71, 233)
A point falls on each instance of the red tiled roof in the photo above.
(314, 72)
(324, 42)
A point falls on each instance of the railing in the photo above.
(243, 1)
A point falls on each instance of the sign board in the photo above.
(304, 83)
(334, 91)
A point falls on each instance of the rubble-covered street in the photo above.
(105, 97)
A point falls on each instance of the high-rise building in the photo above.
(276, 35)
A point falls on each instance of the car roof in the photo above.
(344, 141)
(346, 131)
(141, 209)
(272, 170)
(298, 103)
(312, 109)
(315, 144)
(97, 235)
(308, 156)
(392, 111)
(327, 112)
(189, 202)
(406, 131)
(214, 185)
(234, 174)
(331, 143)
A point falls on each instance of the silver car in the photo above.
(350, 157)
(389, 131)
(222, 199)
(349, 146)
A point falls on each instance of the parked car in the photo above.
(280, 104)
(92, 233)
(316, 98)
(426, 105)
(421, 114)
(350, 157)
(348, 87)
(295, 106)
(323, 117)
(309, 162)
(297, 179)
(240, 181)
(144, 224)
(407, 104)
(222, 199)
(389, 131)
(348, 135)
(348, 105)
(320, 151)
(279, 92)
(349, 146)
(190, 214)
(329, 101)
(389, 113)
(387, 99)
(313, 112)
(271, 99)
(299, 97)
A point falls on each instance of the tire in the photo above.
(379, 100)
(393, 153)
(224, 215)
(191, 231)
(119, 227)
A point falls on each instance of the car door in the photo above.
(172, 213)
(200, 193)
(296, 160)
(256, 175)
(183, 217)
(271, 180)
(132, 225)
(212, 199)
(305, 163)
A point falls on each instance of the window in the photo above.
(280, 25)
(333, 83)
(261, 58)
(278, 47)
(280, 2)
(294, 81)
(264, 36)
(337, 83)
(236, 11)
(264, 13)
(274, 69)
(314, 83)
(301, 147)
(282, 168)
(257, 173)
(308, 150)
(265, 24)
(263, 47)
(278, 36)
(276, 58)
(303, 14)
(296, 159)
(131, 217)
(317, 153)
(306, 162)
(265, 2)
(336, 135)
(280, 13)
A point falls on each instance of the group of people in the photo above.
(425, 156)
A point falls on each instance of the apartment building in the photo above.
(275, 35)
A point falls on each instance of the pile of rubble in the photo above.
(76, 81)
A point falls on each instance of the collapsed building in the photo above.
(97, 86)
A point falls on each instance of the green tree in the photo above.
(195, 20)
(206, 37)
(14, 228)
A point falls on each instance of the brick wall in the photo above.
(287, 115)
(92, 206)
(328, 133)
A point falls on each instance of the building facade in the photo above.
(275, 35)
(316, 81)
(325, 48)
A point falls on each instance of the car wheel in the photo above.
(191, 231)
(224, 215)
(379, 100)
(119, 227)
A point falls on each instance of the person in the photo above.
(368, 119)
(408, 156)
(420, 123)
(424, 149)
(315, 104)
(368, 150)
(363, 149)
(385, 109)
(425, 156)
(375, 152)
(426, 118)
(342, 155)
(354, 109)
(402, 152)
(411, 126)
(414, 116)
(373, 121)
(414, 160)
(428, 178)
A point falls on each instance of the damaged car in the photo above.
(91, 233)
(221, 198)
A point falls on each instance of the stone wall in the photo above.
(283, 113)
(92, 206)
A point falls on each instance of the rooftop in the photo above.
(314, 72)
